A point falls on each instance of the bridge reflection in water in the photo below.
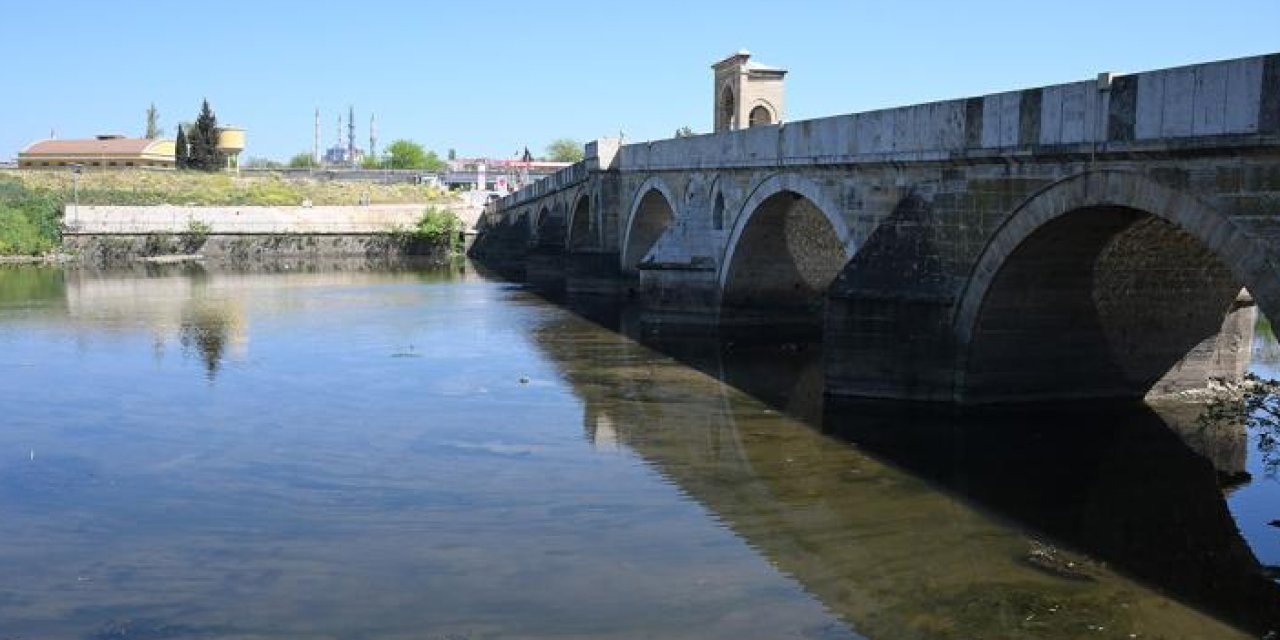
(1097, 494)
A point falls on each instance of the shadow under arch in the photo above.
(652, 212)
(581, 224)
(1108, 284)
(549, 230)
(788, 243)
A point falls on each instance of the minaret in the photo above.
(351, 135)
(315, 143)
(373, 136)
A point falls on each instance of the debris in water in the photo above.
(1049, 560)
(524, 380)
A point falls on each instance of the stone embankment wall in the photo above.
(130, 220)
(107, 235)
(105, 250)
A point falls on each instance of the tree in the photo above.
(203, 141)
(181, 152)
(301, 161)
(434, 164)
(564, 150)
(153, 123)
(406, 154)
(453, 154)
(371, 162)
(685, 132)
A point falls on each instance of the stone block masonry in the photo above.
(1083, 240)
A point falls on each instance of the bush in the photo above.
(193, 239)
(19, 236)
(29, 219)
(438, 226)
(436, 229)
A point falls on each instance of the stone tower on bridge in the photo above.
(747, 92)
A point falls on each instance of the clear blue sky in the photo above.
(489, 78)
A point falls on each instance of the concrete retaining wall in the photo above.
(118, 249)
(232, 220)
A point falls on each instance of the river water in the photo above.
(345, 452)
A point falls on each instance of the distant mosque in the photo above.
(347, 154)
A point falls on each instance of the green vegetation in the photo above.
(153, 123)
(31, 202)
(202, 189)
(181, 150)
(407, 154)
(29, 219)
(302, 160)
(437, 228)
(194, 236)
(685, 132)
(202, 141)
(564, 150)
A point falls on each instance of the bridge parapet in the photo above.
(1136, 112)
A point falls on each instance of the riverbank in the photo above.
(32, 203)
(113, 235)
(239, 249)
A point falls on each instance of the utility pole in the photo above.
(315, 143)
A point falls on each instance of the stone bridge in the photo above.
(1105, 238)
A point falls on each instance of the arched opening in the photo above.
(1106, 301)
(651, 218)
(760, 116)
(550, 229)
(717, 213)
(728, 108)
(580, 226)
(784, 260)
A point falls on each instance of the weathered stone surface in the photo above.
(1085, 239)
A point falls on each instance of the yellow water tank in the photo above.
(230, 140)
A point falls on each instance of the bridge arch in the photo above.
(1109, 284)
(541, 221)
(788, 243)
(582, 225)
(652, 212)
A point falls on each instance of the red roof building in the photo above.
(103, 151)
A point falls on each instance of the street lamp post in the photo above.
(75, 189)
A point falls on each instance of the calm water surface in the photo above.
(346, 453)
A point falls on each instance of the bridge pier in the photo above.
(889, 347)
(545, 269)
(592, 274)
(678, 293)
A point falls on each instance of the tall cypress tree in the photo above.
(153, 123)
(203, 140)
(181, 155)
